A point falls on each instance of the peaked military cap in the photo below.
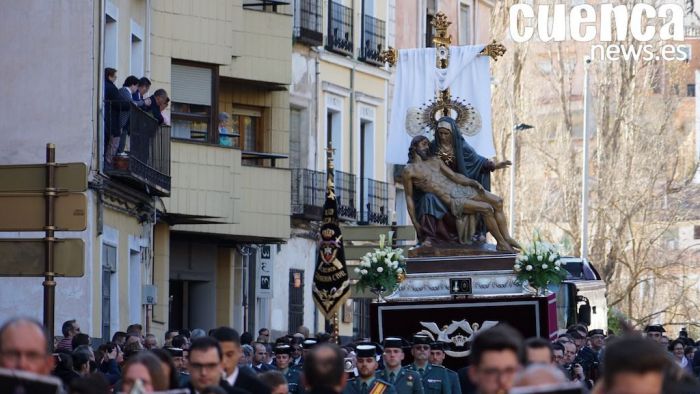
(421, 339)
(174, 351)
(654, 328)
(438, 346)
(393, 342)
(366, 350)
(283, 349)
(309, 343)
(597, 331)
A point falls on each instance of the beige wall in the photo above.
(160, 313)
(224, 287)
(210, 181)
(118, 228)
(263, 48)
(129, 10)
(364, 84)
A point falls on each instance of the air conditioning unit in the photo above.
(150, 294)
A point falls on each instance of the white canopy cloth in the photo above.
(417, 80)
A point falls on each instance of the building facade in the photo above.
(122, 210)
(177, 230)
(338, 98)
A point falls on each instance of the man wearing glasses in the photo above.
(495, 359)
(205, 366)
(24, 347)
(434, 377)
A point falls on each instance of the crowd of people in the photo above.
(222, 361)
(119, 104)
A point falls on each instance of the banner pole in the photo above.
(336, 329)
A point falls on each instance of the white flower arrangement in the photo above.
(383, 269)
(539, 265)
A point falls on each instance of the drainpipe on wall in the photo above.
(319, 107)
(147, 68)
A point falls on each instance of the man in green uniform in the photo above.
(283, 354)
(404, 381)
(437, 356)
(434, 377)
(367, 382)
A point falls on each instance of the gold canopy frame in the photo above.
(494, 50)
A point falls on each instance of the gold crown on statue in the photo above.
(328, 233)
(424, 119)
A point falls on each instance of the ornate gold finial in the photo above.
(494, 50)
(440, 23)
(390, 56)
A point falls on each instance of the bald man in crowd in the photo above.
(24, 347)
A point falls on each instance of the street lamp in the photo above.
(513, 147)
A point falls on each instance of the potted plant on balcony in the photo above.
(538, 267)
(382, 270)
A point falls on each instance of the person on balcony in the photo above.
(130, 86)
(138, 96)
(114, 105)
(159, 101)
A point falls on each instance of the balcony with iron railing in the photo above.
(308, 22)
(309, 194)
(374, 202)
(340, 27)
(145, 163)
(373, 34)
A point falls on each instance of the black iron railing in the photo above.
(374, 202)
(147, 156)
(345, 195)
(264, 5)
(373, 33)
(308, 193)
(340, 29)
(308, 22)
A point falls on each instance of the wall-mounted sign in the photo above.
(264, 273)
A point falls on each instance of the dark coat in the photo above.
(248, 381)
(224, 385)
(114, 105)
(154, 110)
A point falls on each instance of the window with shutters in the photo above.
(696, 232)
(193, 102)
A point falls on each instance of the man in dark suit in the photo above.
(140, 93)
(206, 368)
(236, 377)
(259, 356)
(114, 105)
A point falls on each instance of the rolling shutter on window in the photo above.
(191, 85)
